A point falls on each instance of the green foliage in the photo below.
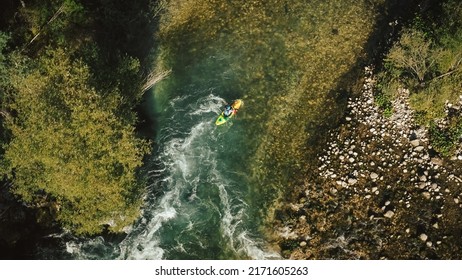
(427, 59)
(70, 79)
(3, 67)
(444, 140)
(452, 19)
(70, 147)
(3, 81)
(413, 56)
(52, 22)
(385, 92)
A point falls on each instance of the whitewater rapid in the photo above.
(196, 206)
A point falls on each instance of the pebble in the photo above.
(423, 237)
(374, 175)
(437, 161)
(352, 181)
(415, 142)
(426, 195)
(333, 191)
(389, 214)
(419, 149)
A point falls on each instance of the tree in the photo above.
(70, 150)
(413, 54)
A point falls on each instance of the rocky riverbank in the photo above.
(380, 191)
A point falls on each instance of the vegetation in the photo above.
(427, 59)
(70, 78)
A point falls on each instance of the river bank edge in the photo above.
(380, 190)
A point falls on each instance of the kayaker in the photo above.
(228, 111)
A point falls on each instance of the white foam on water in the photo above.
(212, 103)
(145, 244)
(232, 226)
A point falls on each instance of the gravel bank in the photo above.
(379, 192)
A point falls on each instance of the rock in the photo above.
(423, 237)
(302, 244)
(419, 148)
(423, 178)
(351, 160)
(352, 181)
(294, 207)
(437, 161)
(374, 175)
(389, 214)
(415, 142)
(333, 191)
(426, 195)
(456, 200)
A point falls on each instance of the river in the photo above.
(211, 188)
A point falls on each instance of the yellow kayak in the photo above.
(237, 104)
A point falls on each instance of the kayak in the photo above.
(237, 104)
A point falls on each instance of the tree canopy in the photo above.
(67, 111)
